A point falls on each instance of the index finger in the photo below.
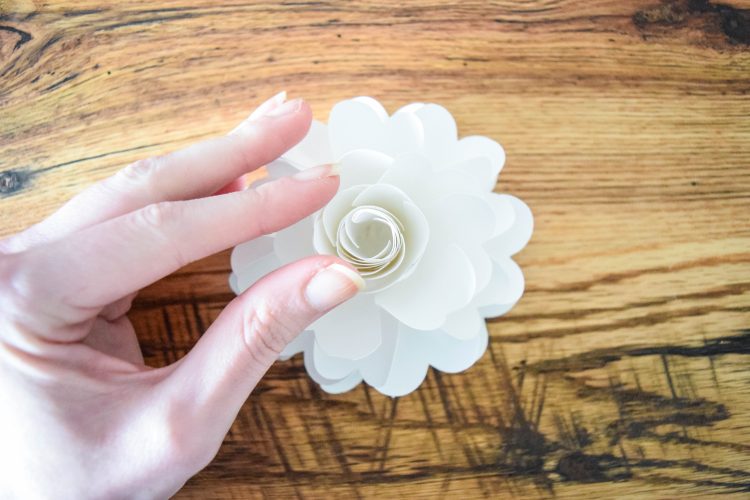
(78, 275)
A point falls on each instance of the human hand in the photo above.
(81, 416)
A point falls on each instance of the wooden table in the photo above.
(625, 368)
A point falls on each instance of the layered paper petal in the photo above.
(443, 282)
(479, 155)
(357, 124)
(350, 331)
(463, 324)
(439, 129)
(481, 263)
(376, 367)
(313, 150)
(362, 167)
(332, 367)
(454, 211)
(408, 365)
(254, 271)
(517, 235)
(448, 353)
(246, 253)
(503, 290)
(277, 169)
(408, 173)
(336, 209)
(481, 169)
(299, 344)
(294, 242)
(505, 212)
(343, 385)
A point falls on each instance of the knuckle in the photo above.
(157, 219)
(141, 170)
(18, 284)
(157, 215)
(267, 331)
(262, 199)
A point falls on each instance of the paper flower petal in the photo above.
(439, 127)
(360, 167)
(503, 290)
(321, 242)
(443, 282)
(246, 253)
(351, 330)
(417, 236)
(383, 195)
(356, 124)
(408, 173)
(331, 367)
(454, 211)
(462, 324)
(277, 169)
(299, 344)
(294, 242)
(376, 367)
(337, 208)
(408, 367)
(404, 134)
(314, 149)
(440, 132)
(505, 213)
(312, 369)
(248, 275)
(234, 284)
(451, 181)
(478, 147)
(452, 355)
(481, 263)
(345, 384)
(481, 169)
(517, 236)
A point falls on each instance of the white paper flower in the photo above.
(415, 213)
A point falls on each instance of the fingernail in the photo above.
(315, 173)
(287, 108)
(332, 286)
(268, 105)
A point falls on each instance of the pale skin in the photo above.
(81, 416)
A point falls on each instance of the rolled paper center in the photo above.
(371, 239)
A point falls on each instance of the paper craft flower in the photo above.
(416, 215)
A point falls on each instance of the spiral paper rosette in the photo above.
(416, 215)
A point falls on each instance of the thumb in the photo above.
(212, 382)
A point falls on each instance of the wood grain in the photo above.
(623, 370)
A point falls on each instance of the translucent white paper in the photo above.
(417, 216)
